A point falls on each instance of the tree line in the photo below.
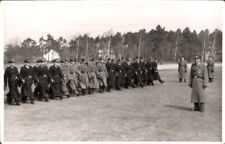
(167, 46)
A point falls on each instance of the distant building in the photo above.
(51, 55)
(104, 54)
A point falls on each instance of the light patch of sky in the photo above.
(70, 18)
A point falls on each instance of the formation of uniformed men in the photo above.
(69, 78)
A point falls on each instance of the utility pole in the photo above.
(175, 52)
(87, 48)
(109, 48)
(203, 52)
(139, 46)
(78, 45)
(214, 46)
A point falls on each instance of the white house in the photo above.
(51, 55)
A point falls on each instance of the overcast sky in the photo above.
(38, 18)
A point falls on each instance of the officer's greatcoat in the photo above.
(198, 79)
(27, 75)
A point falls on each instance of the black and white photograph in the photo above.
(97, 70)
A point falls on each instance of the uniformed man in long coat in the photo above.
(102, 75)
(144, 72)
(118, 74)
(42, 80)
(149, 71)
(12, 79)
(210, 68)
(129, 75)
(83, 77)
(92, 70)
(65, 71)
(56, 77)
(137, 73)
(198, 83)
(27, 77)
(73, 83)
(155, 71)
(111, 73)
(182, 69)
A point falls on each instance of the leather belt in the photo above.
(198, 77)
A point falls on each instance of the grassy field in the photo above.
(159, 113)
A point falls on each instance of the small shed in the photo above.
(51, 55)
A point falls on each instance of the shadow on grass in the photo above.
(179, 107)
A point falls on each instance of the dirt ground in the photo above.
(153, 113)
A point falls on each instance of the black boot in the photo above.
(161, 81)
(180, 80)
(196, 107)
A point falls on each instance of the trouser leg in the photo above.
(202, 107)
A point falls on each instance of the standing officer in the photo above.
(42, 80)
(182, 69)
(198, 83)
(12, 78)
(210, 68)
(27, 77)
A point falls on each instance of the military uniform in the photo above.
(102, 75)
(137, 74)
(93, 82)
(118, 75)
(56, 77)
(73, 83)
(155, 72)
(111, 73)
(27, 76)
(65, 71)
(129, 81)
(12, 78)
(144, 72)
(83, 77)
(198, 83)
(182, 69)
(149, 72)
(210, 68)
(42, 80)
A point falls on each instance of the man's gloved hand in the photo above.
(204, 86)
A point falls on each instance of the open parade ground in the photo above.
(154, 113)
